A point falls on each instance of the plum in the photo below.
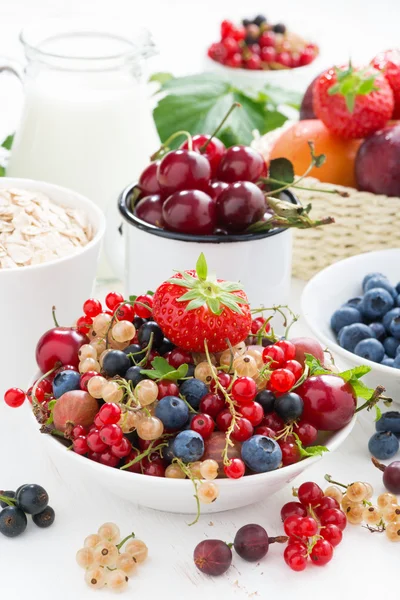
(377, 162)
(306, 107)
(306, 345)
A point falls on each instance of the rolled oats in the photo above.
(35, 230)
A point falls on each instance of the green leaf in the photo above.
(51, 405)
(8, 142)
(355, 373)
(282, 170)
(378, 413)
(163, 370)
(315, 367)
(161, 77)
(2, 171)
(150, 293)
(310, 450)
(161, 365)
(318, 159)
(201, 267)
(132, 298)
(351, 376)
(194, 304)
(214, 305)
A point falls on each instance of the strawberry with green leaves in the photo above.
(388, 63)
(193, 306)
(353, 102)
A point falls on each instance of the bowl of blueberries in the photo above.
(353, 307)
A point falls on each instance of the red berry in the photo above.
(214, 150)
(310, 493)
(296, 561)
(98, 422)
(290, 452)
(140, 305)
(80, 445)
(244, 390)
(290, 525)
(167, 388)
(85, 379)
(154, 469)
(183, 170)
(190, 211)
(179, 357)
(253, 412)
(284, 59)
(231, 46)
(212, 405)
(227, 27)
(92, 307)
(289, 349)
(295, 60)
(224, 379)
(333, 516)
(46, 386)
(295, 367)
(110, 413)
(273, 422)
(202, 424)
(39, 393)
(217, 52)
(263, 430)
(215, 189)
(14, 397)
(83, 324)
(332, 534)
(234, 61)
(293, 509)
(148, 180)
(235, 469)
(113, 299)
(267, 38)
(307, 527)
(135, 468)
(307, 433)
(326, 503)
(282, 380)
(223, 419)
(274, 356)
(123, 449)
(268, 54)
(254, 61)
(258, 323)
(125, 312)
(95, 456)
(78, 431)
(111, 434)
(94, 441)
(241, 163)
(321, 553)
(306, 57)
(109, 459)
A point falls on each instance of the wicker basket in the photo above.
(363, 222)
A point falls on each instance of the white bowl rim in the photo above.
(258, 73)
(136, 478)
(331, 344)
(47, 188)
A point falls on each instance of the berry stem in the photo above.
(377, 464)
(376, 396)
(202, 149)
(330, 480)
(128, 537)
(53, 312)
(164, 147)
(145, 453)
(186, 469)
(280, 539)
(7, 500)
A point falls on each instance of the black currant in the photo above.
(32, 498)
(116, 362)
(144, 334)
(134, 375)
(44, 518)
(13, 521)
(166, 346)
(279, 28)
(136, 352)
(289, 407)
(259, 20)
(138, 322)
(8, 494)
(267, 400)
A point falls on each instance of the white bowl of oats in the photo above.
(50, 239)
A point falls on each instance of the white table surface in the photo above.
(42, 563)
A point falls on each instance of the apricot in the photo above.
(340, 154)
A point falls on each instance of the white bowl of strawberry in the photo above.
(222, 408)
(257, 52)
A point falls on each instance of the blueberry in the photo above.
(398, 300)
(391, 346)
(66, 381)
(387, 362)
(8, 494)
(376, 303)
(279, 28)
(189, 422)
(378, 330)
(267, 400)
(168, 452)
(352, 334)
(165, 346)
(116, 362)
(345, 316)
(13, 521)
(173, 412)
(188, 446)
(398, 288)
(395, 312)
(383, 445)
(370, 349)
(355, 302)
(134, 375)
(146, 331)
(259, 20)
(396, 362)
(381, 283)
(398, 350)
(136, 353)
(370, 276)
(394, 327)
(261, 454)
(289, 407)
(191, 370)
(44, 518)
(193, 391)
(389, 421)
(32, 498)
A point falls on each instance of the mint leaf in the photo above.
(310, 450)
(161, 365)
(282, 170)
(315, 367)
(163, 370)
(8, 142)
(351, 376)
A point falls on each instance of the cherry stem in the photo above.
(202, 148)
(164, 147)
(34, 399)
(377, 464)
(376, 396)
(280, 539)
(330, 480)
(128, 537)
(7, 500)
(53, 312)
(145, 453)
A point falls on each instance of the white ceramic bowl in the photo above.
(331, 288)
(27, 294)
(293, 79)
(176, 495)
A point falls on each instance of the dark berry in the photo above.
(289, 407)
(8, 494)
(13, 521)
(259, 20)
(267, 400)
(32, 498)
(135, 353)
(251, 542)
(279, 28)
(148, 330)
(116, 362)
(212, 557)
(134, 375)
(165, 346)
(193, 390)
(45, 518)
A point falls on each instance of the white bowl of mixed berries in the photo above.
(257, 52)
(186, 392)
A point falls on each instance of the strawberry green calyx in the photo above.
(205, 290)
(352, 83)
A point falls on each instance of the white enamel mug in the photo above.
(27, 294)
(261, 262)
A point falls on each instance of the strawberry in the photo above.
(353, 102)
(192, 307)
(389, 63)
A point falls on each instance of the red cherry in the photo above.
(211, 404)
(235, 469)
(293, 509)
(289, 349)
(274, 356)
(123, 449)
(84, 380)
(190, 211)
(167, 388)
(183, 170)
(268, 54)
(241, 163)
(333, 516)
(142, 311)
(109, 459)
(84, 324)
(80, 445)
(321, 553)
(332, 534)
(240, 205)
(267, 38)
(92, 307)
(253, 412)
(295, 367)
(244, 390)
(14, 397)
(148, 182)
(215, 188)
(310, 494)
(202, 424)
(149, 209)
(59, 345)
(179, 357)
(282, 380)
(214, 150)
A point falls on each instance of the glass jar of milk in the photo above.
(86, 122)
